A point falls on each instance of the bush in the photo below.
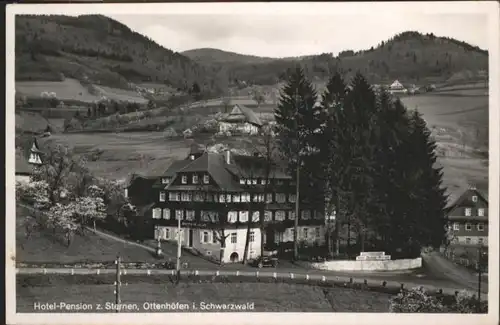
(417, 300)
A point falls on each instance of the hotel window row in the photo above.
(255, 181)
(232, 216)
(468, 212)
(195, 179)
(226, 198)
(468, 226)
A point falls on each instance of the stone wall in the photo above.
(388, 265)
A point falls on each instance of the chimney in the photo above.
(227, 156)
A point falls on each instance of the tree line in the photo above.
(368, 159)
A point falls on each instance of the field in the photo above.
(41, 246)
(74, 90)
(283, 297)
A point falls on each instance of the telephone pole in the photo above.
(297, 181)
(179, 248)
(118, 283)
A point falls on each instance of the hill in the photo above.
(409, 56)
(210, 56)
(98, 50)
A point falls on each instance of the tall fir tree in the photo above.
(298, 120)
(361, 114)
(429, 220)
(334, 160)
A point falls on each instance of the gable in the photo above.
(466, 200)
(236, 110)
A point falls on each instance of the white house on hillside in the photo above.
(396, 85)
(241, 119)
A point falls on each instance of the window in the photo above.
(280, 197)
(480, 240)
(215, 237)
(204, 216)
(166, 214)
(162, 196)
(255, 197)
(166, 233)
(318, 215)
(291, 215)
(249, 182)
(165, 180)
(468, 227)
(254, 182)
(252, 236)
(279, 182)
(261, 197)
(306, 233)
(456, 226)
(318, 232)
(198, 197)
(156, 213)
(306, 214)
(280, 215)
(242, 181)
(292, 198)
(232, 216)
(214, 216)
(467, 240)
(191, 157)
(186, 196)
(206, 179)
(222, 198)
(228, 198)
(184, 179)
(179, 214)
(474, 198)
(268, 215)
(205, 238)
(236, 198)
(195, 179)
(263, 182)
(245, 197)
(255, 216)
(243, 216)
(468, 212)
(480, 212)
(269, 198)
(480, 226)
(190, 215)
(172, 196)
(234, 238)
(209, 197)
(126, 192)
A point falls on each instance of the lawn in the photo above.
(267, 297)
(41, 246)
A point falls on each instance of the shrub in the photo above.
(418, 300)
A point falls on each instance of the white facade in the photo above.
(34, 158)
(245, 127)
(205, 241)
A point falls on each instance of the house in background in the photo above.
(26, 162)
(468, 218)
(241, 119)
(397, 87)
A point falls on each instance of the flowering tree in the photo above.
(36, 193)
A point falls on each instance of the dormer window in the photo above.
(191, 157)
(206, 179)
(195, 179)
(242, 181)
(165, 180)
(184, 179)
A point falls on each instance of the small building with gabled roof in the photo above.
(241, 119)
(467, 216)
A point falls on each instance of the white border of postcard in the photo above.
(489, 9)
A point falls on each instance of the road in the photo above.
(315, 275)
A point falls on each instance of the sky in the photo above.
(295, 35)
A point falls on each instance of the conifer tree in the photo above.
(334, 164)
(298, 120)
(428, 220)
(361, 114)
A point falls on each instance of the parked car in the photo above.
(265, 261)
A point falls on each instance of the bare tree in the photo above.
(219, 219)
